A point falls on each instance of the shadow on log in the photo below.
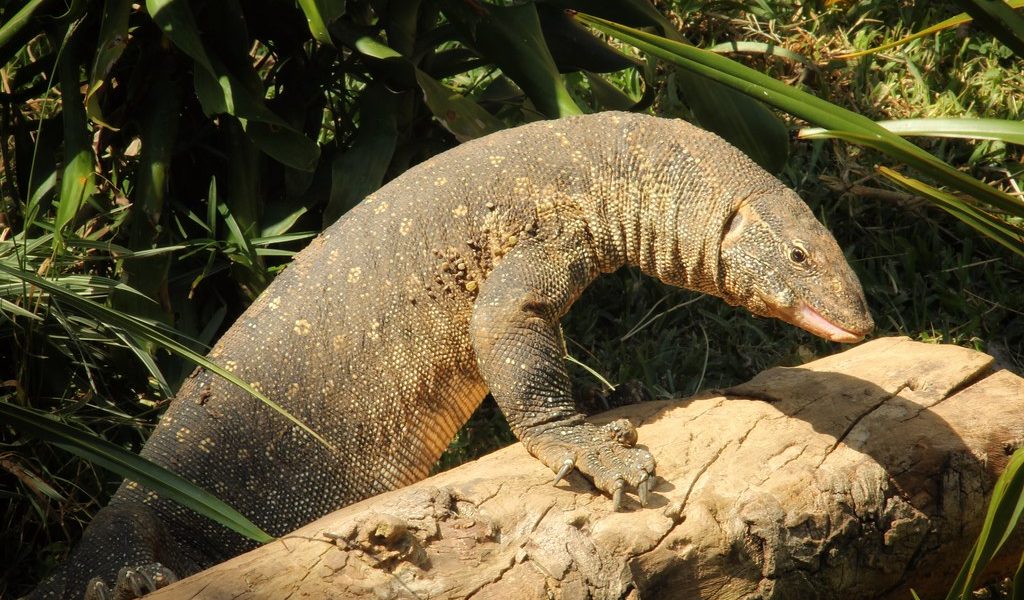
(860, 475)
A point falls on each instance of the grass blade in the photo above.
(14, 25)
(132, 467)
(949, 23)
(979, 129)
(998, 18)
(112, 42)
(1004, 512)
(761, 48)
(985, 223)
(78, 180)
(149, 333)
(806, 106)
(954, 21)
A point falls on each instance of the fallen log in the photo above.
(860, 475)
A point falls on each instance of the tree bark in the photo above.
(860, 475)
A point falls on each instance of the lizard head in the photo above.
(777, 260)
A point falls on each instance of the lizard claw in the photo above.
(96, 590)
(567, 466)
(620, 488)
(131, 583)
(139, 582)
(643, 490)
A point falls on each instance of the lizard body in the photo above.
(389, 329)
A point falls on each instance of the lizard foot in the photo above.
(607, 455)
(132, 582)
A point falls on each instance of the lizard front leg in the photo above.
(515, 335)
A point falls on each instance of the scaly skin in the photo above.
(449, 282)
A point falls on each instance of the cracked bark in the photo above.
(860, 475)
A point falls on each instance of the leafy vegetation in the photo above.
(162, 162)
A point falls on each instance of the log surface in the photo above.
(859, 475)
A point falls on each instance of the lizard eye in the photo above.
(798, 255)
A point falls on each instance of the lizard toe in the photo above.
(620, 487)
(606, 455)
(96, 589)
(616, 466)
(135, 582)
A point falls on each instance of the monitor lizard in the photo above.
(389, 329)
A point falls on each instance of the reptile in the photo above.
(447, 284)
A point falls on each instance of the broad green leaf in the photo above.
(638, 13)
(21, 18)
(574, 48)
(998, 18)
(277, 223)
(39, 194)
(145, 331)
(360, 170)
(1001, 520)
(750, 125)
(761, 136)
(741, 120)
(980, 129)
(112, 42)
(511, 38)
(453, 61)
(148, 273)
(176, 20)
(460, 115)
(317, 22)
(132, 467)
(607, 95)
(388, 67)
(400, 20)
(808, 107)
(242, 185)
(220, 91)
(78, 178)
(372, 47)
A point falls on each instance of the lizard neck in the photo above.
(662, 202)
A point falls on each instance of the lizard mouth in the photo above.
(811, 320)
